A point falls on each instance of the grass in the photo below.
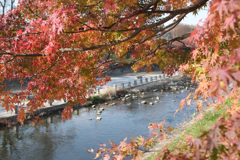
(96, 99)
(196, 129)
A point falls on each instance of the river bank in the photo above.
(11, 120)
(58, 139)
(179, 134)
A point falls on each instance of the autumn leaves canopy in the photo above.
(41, 41)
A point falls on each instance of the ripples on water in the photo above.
(60, 140)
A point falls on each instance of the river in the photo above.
(61, 140)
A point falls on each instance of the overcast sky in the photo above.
(192, 19)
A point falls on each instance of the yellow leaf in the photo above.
(188, 95)
(1, 78)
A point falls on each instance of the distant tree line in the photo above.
(178, 31)
(5, 5)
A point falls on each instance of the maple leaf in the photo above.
(41, 122)
(188, 138)
(221, 73)
(181, 106)
(194, 54)
(188, 102)
(199, 116)
(198, 142)
(106, 8)
(229, 22)
(188, 95)
(115, 7)
(236, 75)
(123, 143)
(140, 140)
(231, 134)
(90, 151)
(97, 155)
(221, 6)
(233, 5)
(106, 157)
(60, 29)
(103, 145)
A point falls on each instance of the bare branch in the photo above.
(163, 29)
(21, 55)
(48, 67)
(178, 38)
(12, 2)
(182, 43)
(9, 60)
(198, 4)
(3, 5)
(119, 41)
(102, 30)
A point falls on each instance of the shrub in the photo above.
(96, 99)
(108, 92)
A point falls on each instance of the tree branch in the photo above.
(198, 4)
(48, 67)
(21, 55)
(144, 27)
(9, 60)
(178, 38)
(20, 36)
(182, 43)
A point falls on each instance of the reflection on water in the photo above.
(56, 139)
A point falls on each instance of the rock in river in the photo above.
(99, 118)
(143, 102)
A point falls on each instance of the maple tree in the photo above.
(59, 46)
(214, 64)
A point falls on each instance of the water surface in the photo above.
(61, 140)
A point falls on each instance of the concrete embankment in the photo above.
(11, 119)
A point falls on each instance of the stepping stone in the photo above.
(143, 102)
(99, 118)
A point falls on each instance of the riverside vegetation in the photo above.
(193, 127)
